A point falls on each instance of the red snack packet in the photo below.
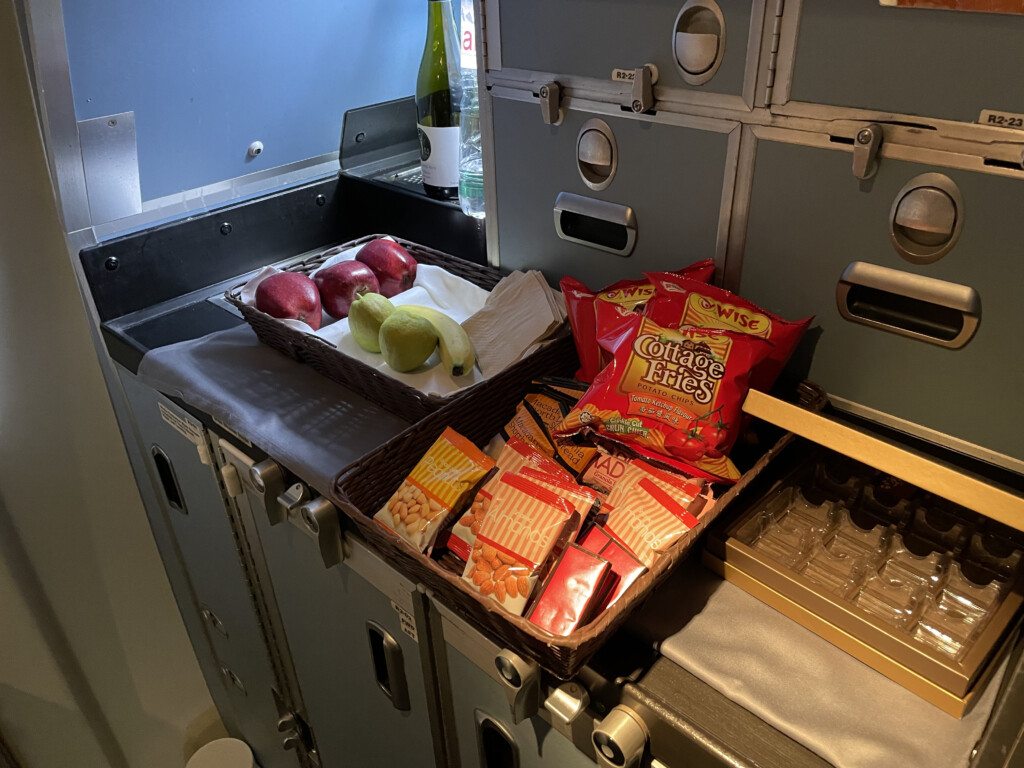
(626, 567)
(580, 303)
(662, 384)
(680, 301)
(572, 592)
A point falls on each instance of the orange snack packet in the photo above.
(524, 526)
(649, 515)
(438, 485)
(515, 456)
(537, 417)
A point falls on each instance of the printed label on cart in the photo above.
(1001, 119)
(407, 621)
(191, 432)
(629, 75)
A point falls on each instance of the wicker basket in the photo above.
(365, 486)
(389, 393)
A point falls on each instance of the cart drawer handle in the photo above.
(918, 307)
(388, 665)
(595, 223)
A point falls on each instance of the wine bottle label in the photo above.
(439, 155)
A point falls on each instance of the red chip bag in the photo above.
(663, 386)
(680, 301)
(580, 302)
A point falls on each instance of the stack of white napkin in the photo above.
(520, 313)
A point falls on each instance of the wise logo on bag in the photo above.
(581, 305)
(680, 301)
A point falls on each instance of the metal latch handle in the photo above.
(318, 519)
(550, 103)
(865, 151)
(642, 95)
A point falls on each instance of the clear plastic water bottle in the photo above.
(471, 163)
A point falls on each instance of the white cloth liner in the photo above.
(434, 287)
(817, 694)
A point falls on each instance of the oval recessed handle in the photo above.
(927, 216)
(698, 41)
(915, 306)
(696, 51)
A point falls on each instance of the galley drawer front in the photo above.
(695, 45)
(352, 656)
(914, 61)
(670, 177)
(809, 219)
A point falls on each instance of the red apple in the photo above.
(290, 296)
(394, 267)
(341, 283)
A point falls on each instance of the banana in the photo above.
(453, 343)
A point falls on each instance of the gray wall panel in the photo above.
(671, 176)
(909, 61)
(580, 37)
(809, 218)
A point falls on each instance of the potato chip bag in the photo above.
(580, 303)
(679, 301)
(663, 385)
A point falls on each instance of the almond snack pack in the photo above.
(523, 527)
(515, 455)
(648, 520)
(439, 485)
(581, 304)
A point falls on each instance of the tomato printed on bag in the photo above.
(679, 301)
(581, 302)
(663, 385)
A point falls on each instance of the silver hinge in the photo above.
(295, 731)
(774, 18)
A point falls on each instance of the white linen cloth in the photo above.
(815, 693)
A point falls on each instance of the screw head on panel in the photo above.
(225, 228)
(111, 263)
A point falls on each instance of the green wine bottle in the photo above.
(438, 98)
